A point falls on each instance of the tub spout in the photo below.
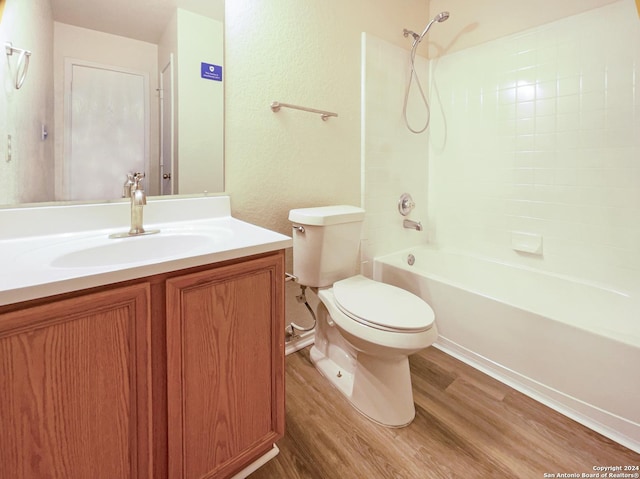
(410, 224)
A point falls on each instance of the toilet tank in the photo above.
(326, 243)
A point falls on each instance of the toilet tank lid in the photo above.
(326, 215)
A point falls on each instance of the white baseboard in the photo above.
(307, 338)
(255, 465)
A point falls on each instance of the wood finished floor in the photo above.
(467, 425)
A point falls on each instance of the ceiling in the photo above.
(143, 20)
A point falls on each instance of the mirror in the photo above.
(111, 88)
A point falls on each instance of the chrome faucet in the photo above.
(138, 200)
(134, 190)
(410, 224)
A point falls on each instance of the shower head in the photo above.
(440, 17)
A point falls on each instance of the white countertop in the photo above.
(32, 238)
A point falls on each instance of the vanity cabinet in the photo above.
(225, 367)
(75, 397)
(174, 376)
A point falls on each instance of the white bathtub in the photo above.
(571, 345)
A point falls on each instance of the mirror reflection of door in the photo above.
(106, 129)
(167, 170)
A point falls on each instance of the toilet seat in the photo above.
(382, 306)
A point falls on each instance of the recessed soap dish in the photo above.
(530, 243)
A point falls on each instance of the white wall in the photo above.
(541, 134)
(201, 104)
(305, 53)
(310, 55)
(472, 23)
(395, 160)
(536, 132)
(28, 176)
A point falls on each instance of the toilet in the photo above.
(365, 329)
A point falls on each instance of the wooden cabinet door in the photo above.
(225, 367)
(74, 392)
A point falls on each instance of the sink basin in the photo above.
(136, 249)
(98, 251)
(52, 250)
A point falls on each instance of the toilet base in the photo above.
(379, 389)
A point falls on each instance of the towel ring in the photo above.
(23, 63)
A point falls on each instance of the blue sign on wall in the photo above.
(210, 72)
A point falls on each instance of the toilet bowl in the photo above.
(365, 329)
(368, 359)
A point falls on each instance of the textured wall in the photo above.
(28, 177)
(305, 53)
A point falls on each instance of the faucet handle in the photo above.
(137, 178)
(126, 188)
(405, 204)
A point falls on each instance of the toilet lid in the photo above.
(381, 305)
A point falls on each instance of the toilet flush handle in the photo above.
(298, 228)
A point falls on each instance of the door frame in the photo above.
(167, 129)
(69, 63)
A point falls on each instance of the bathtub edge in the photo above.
(575, 409)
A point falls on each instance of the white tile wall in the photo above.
(541, 135)
(394, 160)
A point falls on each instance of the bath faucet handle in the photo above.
(405, 204)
